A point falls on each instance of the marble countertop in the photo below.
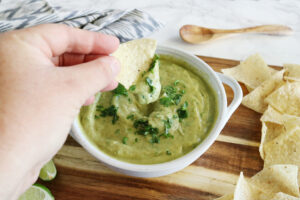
(218, 14)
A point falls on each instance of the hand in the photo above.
(47, 73)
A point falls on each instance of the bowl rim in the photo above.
(180, 162)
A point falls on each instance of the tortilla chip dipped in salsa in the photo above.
(135, 57)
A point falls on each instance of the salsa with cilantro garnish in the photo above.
(164, 115)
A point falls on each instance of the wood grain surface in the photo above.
(81, 176)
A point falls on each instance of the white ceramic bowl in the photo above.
(215, 80)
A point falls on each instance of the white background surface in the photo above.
(217, 14)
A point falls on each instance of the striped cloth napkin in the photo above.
(125, 24)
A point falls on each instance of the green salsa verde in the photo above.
(166, 114)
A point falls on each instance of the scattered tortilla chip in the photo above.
(226, 197)
(255, 100)
(272, 115)
(291, 123)
(249, 88)
(286, 99)
(243, 190)
(282, 196)
(276, 94)
(292, 72)
(277, 178)
(275, 124)
(269, 132)
(252, 72)
(278, 181)
(284, 149)
(135, 57)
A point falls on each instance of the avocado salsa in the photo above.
(164, 115)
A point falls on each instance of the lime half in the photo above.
(37, 192)
(48, 172)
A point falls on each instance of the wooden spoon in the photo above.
(197, 34)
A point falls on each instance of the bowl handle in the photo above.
(237, 93)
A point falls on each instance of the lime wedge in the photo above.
(48, 172)
(37, 192)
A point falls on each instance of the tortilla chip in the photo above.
(277, 178)
(286, 99)
(282, 196)
(291, 123)
(246, 191)
(243, 191)
(292, 72)
(274, 181)
(255, 100)
(272, 115)
(269, 132)
(284, 149)
(226, 197)
(249, 88)
(135, 58)
(252, 72)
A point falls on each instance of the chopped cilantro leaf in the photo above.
(97, 117)
(167, 133)
(166, 101)
(140, 123)
(149, 82)
(154, 139)
(124, 140)
(144, 128)
(177, 98)
(154, 61)
(131, 116)
(110, 111)
(167, 125)
(132, 88)
(170, 90)
(176, 82)
(136, 139)
(171, 98)
(168, 152)
(182, 111)
(182, 91)
(120, 90)
(117, 131)
(185, 105)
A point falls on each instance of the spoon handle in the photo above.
(266, 29)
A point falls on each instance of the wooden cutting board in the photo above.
(81, 176)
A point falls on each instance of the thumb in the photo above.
(88, 78)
